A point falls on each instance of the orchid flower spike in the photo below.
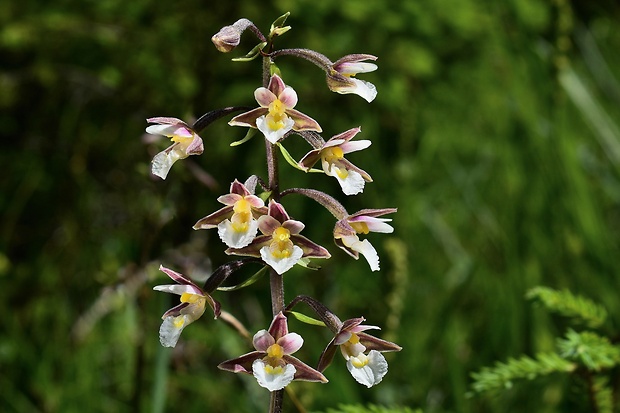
(193, 300)
(340, 77)
(272, 363)
(361, 351)
(280, 246)
(362, 222)
(351, 178)
(237, 222)
(186, 143)
(276, 116)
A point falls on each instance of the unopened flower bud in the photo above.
(226, 39)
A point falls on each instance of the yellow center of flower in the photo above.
(360, 361)
(242, 216)
(360, 227)
(281, 246)
(354, 339)
(181, 139)
(333, 154)
(275, 351)
(273, 360)
(191, 298)
(275, 119)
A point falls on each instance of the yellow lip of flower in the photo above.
(277, 116)
(242, 206)
(359, 361)
(182, 139)
(191, 298)
(360, 227)
(333, 154)
(281, 234)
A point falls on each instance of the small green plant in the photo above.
(585, 355)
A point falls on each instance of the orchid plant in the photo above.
(256, 227)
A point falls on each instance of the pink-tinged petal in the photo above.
(374, 224)
(213, 220)
(281, 265)
(310, 159)
(373, 212)
(264, 97)
(195, 147)
(276, 85)
(349, 147)
(166, 121)
(327, 356)
(302, 121)
(310, 249)
(267, 224)
(305, 372)
(177, 277)
(278, 327)
(288, 97)
(179, 289)
(372, 372)
(295, 227)
(215, 306)
(255, 202)
(374, 343)
(273, 380)
(354, 58)
(361, 328)
(248, 118)
(229, 199)
(351, 324)
(241, 364)
(262, 340)
(291, 343)
(333, 142)
(278, 212)
(238, 188)
(352, 68)
(347, 135)
(175, 311)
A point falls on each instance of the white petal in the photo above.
(271, 135)
(170, 330)
(176, 289)
(365, 248)
(163, 161)
(372, 373)
(364, 89)
(234, 238)
(273, 381)
(281, 265)
(352, 184)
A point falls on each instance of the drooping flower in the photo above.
(193, 301)
(272, 363)
(280, 246)
(350, 177)
(361, 351)
(362, 222)
(276, 116)
(340, 77)
(237, 222)
(186, 143)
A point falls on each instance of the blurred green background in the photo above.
(496, 132)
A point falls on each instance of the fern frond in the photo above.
(502, 375)
(590, 349)
(580, 309)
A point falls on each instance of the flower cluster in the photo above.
(254, 225)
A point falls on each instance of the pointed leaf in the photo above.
(252, 54)
(293, 162)
(249, 135)
(306, 319)
(247, 282)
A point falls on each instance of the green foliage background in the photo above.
(496, 132)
